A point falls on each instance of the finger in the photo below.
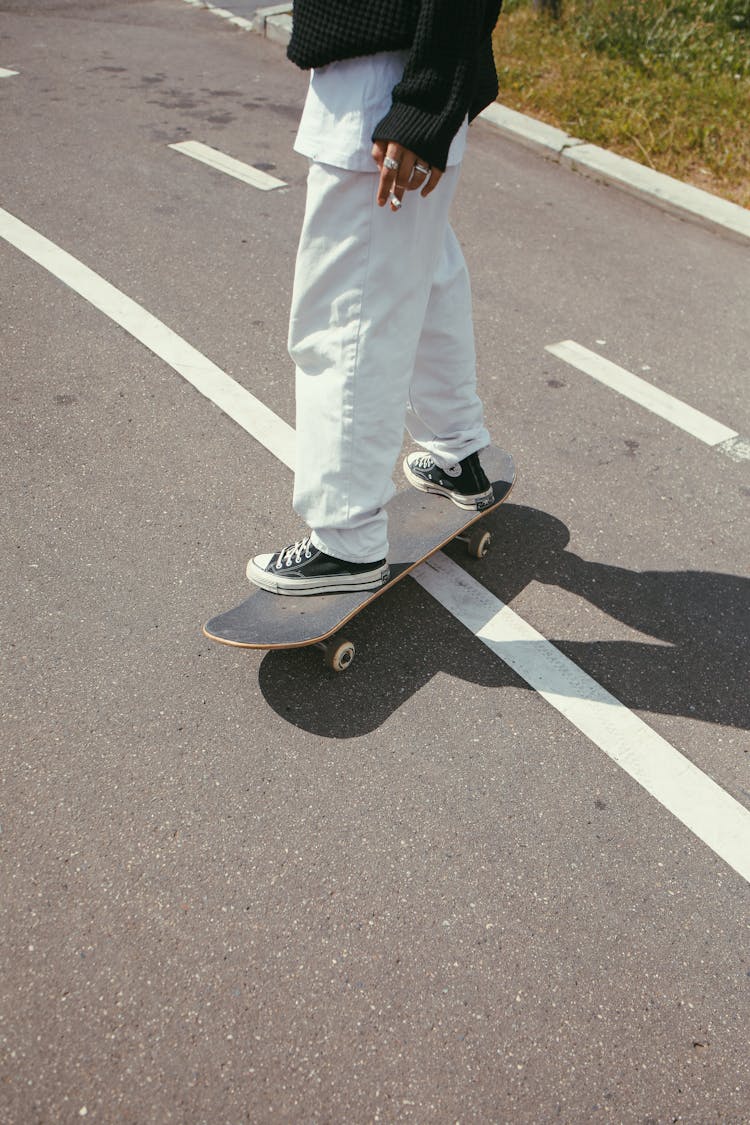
(389, 171)
(418, 177)
(432, 183)
(378, 152)
(385, 185)
(396, 198)
(405, 170)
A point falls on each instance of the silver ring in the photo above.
(391, 163)
(421, 168)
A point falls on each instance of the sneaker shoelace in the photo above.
(294, 553)
(425, 461)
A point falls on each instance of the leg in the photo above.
(361, 291)
(444, 413)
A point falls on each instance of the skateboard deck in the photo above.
(419, 524)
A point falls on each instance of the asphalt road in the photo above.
(235, 886)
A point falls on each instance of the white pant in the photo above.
(381, 334)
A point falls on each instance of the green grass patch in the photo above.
(667, 84)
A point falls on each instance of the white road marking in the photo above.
(228, 164)
(738, 448)
(7, 73)
(690, 795)
(248, 411)
(638, 390)
(275, 21)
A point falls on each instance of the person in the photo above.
(380, 328)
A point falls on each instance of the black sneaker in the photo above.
(301, 568)
(466, 484)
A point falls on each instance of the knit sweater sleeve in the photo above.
(440, 78)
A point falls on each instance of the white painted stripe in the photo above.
(7, 73)
(228, 164)
(736, 448)
(688, 793)
(265, 426)
(697, 801)
(633, 387)
(238, 21)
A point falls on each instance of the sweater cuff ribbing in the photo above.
(429, 137)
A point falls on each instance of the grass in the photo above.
(665, 82)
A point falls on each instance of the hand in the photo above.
(413, 173)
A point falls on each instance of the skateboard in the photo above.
(419, 525)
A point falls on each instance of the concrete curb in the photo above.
(674, 196)
(600, 164)
(275, 23)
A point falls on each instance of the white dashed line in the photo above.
(228, 164)
(631, 386)
(230, 17)
(274, 21)
(690, 795)
(7, 73)
(248, 411)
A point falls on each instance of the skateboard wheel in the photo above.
(338, 655)
(478, 543)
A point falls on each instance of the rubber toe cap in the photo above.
(259, 562)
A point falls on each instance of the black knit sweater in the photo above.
(450, 71)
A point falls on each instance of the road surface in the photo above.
(495, 872)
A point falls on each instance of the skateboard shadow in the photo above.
(697, 666)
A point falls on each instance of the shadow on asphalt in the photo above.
(699, 667)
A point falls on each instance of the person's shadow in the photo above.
(698, 665)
